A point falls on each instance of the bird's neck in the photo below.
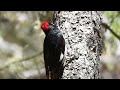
(46, 32)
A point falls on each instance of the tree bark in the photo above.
(82, 34)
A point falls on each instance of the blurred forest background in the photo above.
(21, 44)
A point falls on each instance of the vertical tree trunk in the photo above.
(82, 33)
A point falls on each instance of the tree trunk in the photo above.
(82, 33)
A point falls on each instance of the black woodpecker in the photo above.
(54, 48)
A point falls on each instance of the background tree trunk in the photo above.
(82, 33)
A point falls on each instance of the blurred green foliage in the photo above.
(114, 20)
(111, 56)
(20, 38)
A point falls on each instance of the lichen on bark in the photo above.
(82, 33)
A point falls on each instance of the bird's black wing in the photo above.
(60, 45)
(54, 47)
(59, 50)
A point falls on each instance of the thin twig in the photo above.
(111, 30)
(21, 60)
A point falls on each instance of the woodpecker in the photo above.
(54, 48)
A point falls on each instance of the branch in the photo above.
(21, 60)
(106, 26)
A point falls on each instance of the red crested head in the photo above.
(44, 25)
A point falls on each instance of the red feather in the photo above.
(44, 25)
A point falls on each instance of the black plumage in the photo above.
(54, 47)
